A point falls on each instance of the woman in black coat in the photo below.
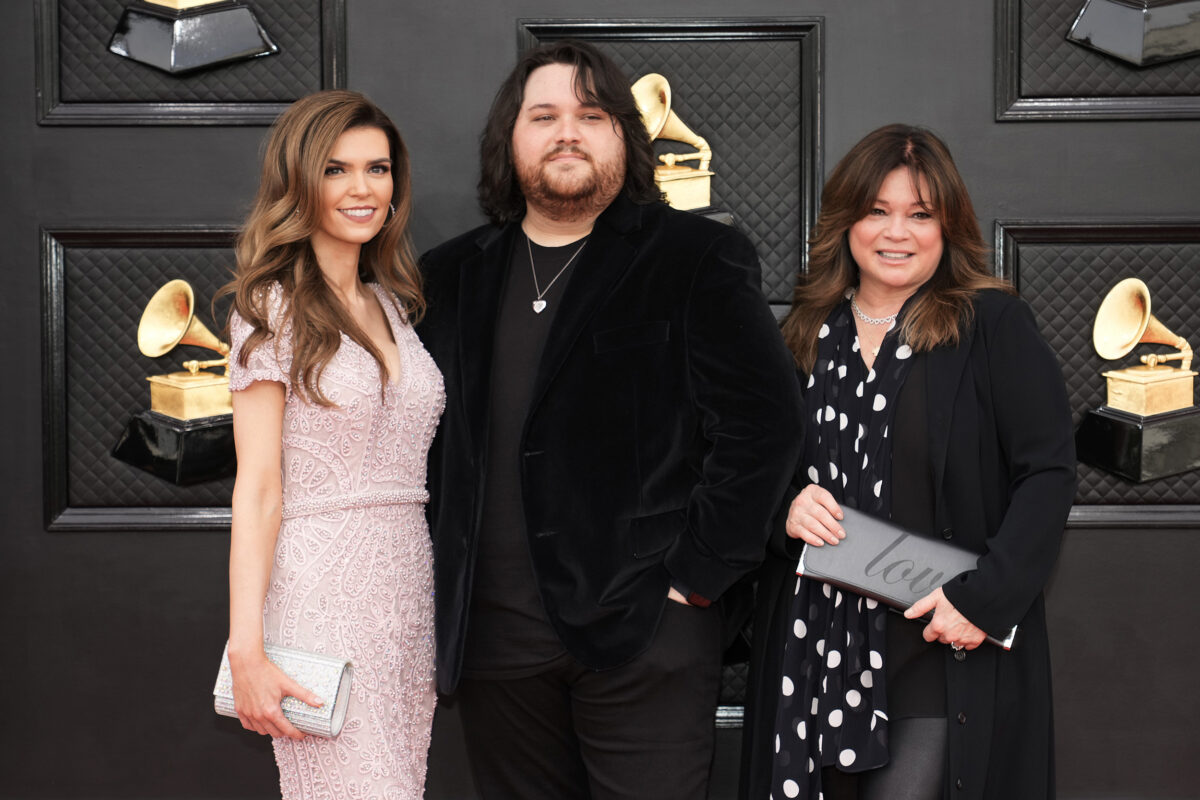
(930, 399)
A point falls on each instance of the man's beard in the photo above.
(584, 199)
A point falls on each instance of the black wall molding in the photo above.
(94, 345)
(1063, 269)
(766, 134)
(1041, 76)
(264, 86)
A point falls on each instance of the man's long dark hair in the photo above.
(599, 82)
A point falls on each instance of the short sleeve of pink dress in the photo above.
(353, 562)
(272, 359)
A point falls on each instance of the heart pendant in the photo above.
(539, 306)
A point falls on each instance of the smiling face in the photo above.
(569, 156)
(898, 244)
(356, 188)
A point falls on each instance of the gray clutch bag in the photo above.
(328, 676)
(881, 560)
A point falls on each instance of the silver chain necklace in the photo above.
(539, 305)
(858, 312)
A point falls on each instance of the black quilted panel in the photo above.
(1051, 66)
(89, 73)
(733, 684)
(1064, 283)
(744, 98)
(106, 290)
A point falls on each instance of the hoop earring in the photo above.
(393, 214)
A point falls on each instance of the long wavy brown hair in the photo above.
(940, 313)
(274, 246)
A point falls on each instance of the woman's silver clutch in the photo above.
(327, 676)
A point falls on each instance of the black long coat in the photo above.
(1004, 477)
(659, 441)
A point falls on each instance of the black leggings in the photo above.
(916, 771)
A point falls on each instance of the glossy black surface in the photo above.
(719, 215)
(1140, 33)
(183, 41)
(1139, 448)
(182, 452)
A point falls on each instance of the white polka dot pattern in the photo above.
(835, 714)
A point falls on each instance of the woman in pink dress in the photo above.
(335, 403)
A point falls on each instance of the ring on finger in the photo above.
(955, 646)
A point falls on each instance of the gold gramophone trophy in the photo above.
(1149, 427)
(187, 434)
(686, 188)
(169, 321)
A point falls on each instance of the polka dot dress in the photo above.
(833, 703)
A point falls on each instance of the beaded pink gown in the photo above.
(353, 562)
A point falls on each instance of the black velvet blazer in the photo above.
(661, 437)
(1003, 457)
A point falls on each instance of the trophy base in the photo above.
(1147, 391)
(1139, 33)
(182, 452)
(686, 188)
(185, 396)
(717, 215)
(1139, 448)
(198, 36)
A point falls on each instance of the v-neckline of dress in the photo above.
(389, 311)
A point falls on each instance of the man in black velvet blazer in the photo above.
(622, 419)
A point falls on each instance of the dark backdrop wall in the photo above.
(109, 640)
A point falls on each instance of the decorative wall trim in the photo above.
(788, 194)
(54, 110)
(1010, 235)
(1140, 517)
(1064, 269)
(1013, 61)
(59, 512)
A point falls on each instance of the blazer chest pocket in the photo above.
(656, 532)
(638, 335)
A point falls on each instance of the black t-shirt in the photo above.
(508, 633)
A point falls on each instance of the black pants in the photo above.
(916, 770)
(643, 730)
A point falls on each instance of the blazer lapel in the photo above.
(943, 379)
(606, 258)
(481, 279)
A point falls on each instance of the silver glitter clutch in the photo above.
(328, 676)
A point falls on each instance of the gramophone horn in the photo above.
(169, 320)
(652, 96)
(1124, 321)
